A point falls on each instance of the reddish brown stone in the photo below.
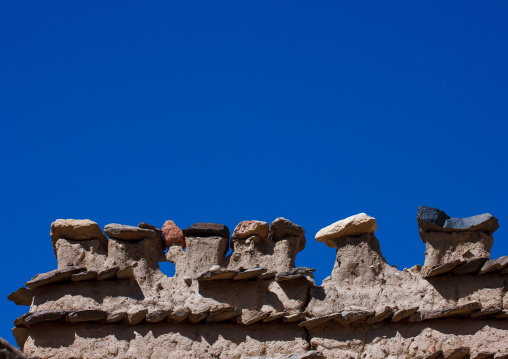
(246, 229)
(172, 234)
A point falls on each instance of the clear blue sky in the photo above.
(223, 111)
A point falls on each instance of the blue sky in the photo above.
(227, 111)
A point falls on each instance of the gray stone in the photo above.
(44, 316)
(457, 353)
(433, 219)
(462, 310)
(136, 315)
(20, 321)
(250, 273)
(441, 269)
(52, 277)
(178, 315)
(483, 355)
(217, 274)
(222, 314)
(403, 314)
(495, 265)
(157, 316)
(129, 233)
(267, 275)
(484, 312)
(125, 273)
(116, 317)
(86, 316)
(349, 316)
(381, 313)
(23, 296)
(294, 318)
(275, 316)
(249, 317)
(294, 273)
(206, 230)
(312, 322)
(470, 266)
(282, 228)
(311, 354)
(83, 276)
(106, 274)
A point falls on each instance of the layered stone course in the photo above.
(109, 299)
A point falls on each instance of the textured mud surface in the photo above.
(108, 298)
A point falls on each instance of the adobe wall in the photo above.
(108, 298)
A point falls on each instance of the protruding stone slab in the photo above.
(441, 269)
(294, 318)
(206, 230)
(313, 322)
(352, 226)
(76, 229)
(267, 275)
(20, 321)
(350, 316)
(470, 266)
(157, 316)
(433, 219)
(129, 233)
(294, 273)
(249, 317)
(198, 317)
(55, 276)
(485, 311)
(457, 353)
(381, 313)
(247, 229)
(172, 234)
(282, 228)
(116, 317)
(217, 274)
(83, 276)
(495, 265)
(249, 273)
(23, 296)
(125, 273)
(106, 274)
(275, 316)
(44, 316)
(222, 314)
(136, 315)
(483, 355)
(179, 314)
(461, 310)
(404, 313)
(311, 354)
(86, 316)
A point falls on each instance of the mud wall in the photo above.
(108, 298)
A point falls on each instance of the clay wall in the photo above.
(109, 299)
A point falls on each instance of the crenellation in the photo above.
(255, 303)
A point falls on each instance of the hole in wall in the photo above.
(167, 268)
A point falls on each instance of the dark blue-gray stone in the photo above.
(433, 219)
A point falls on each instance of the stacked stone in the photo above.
(458, 245)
